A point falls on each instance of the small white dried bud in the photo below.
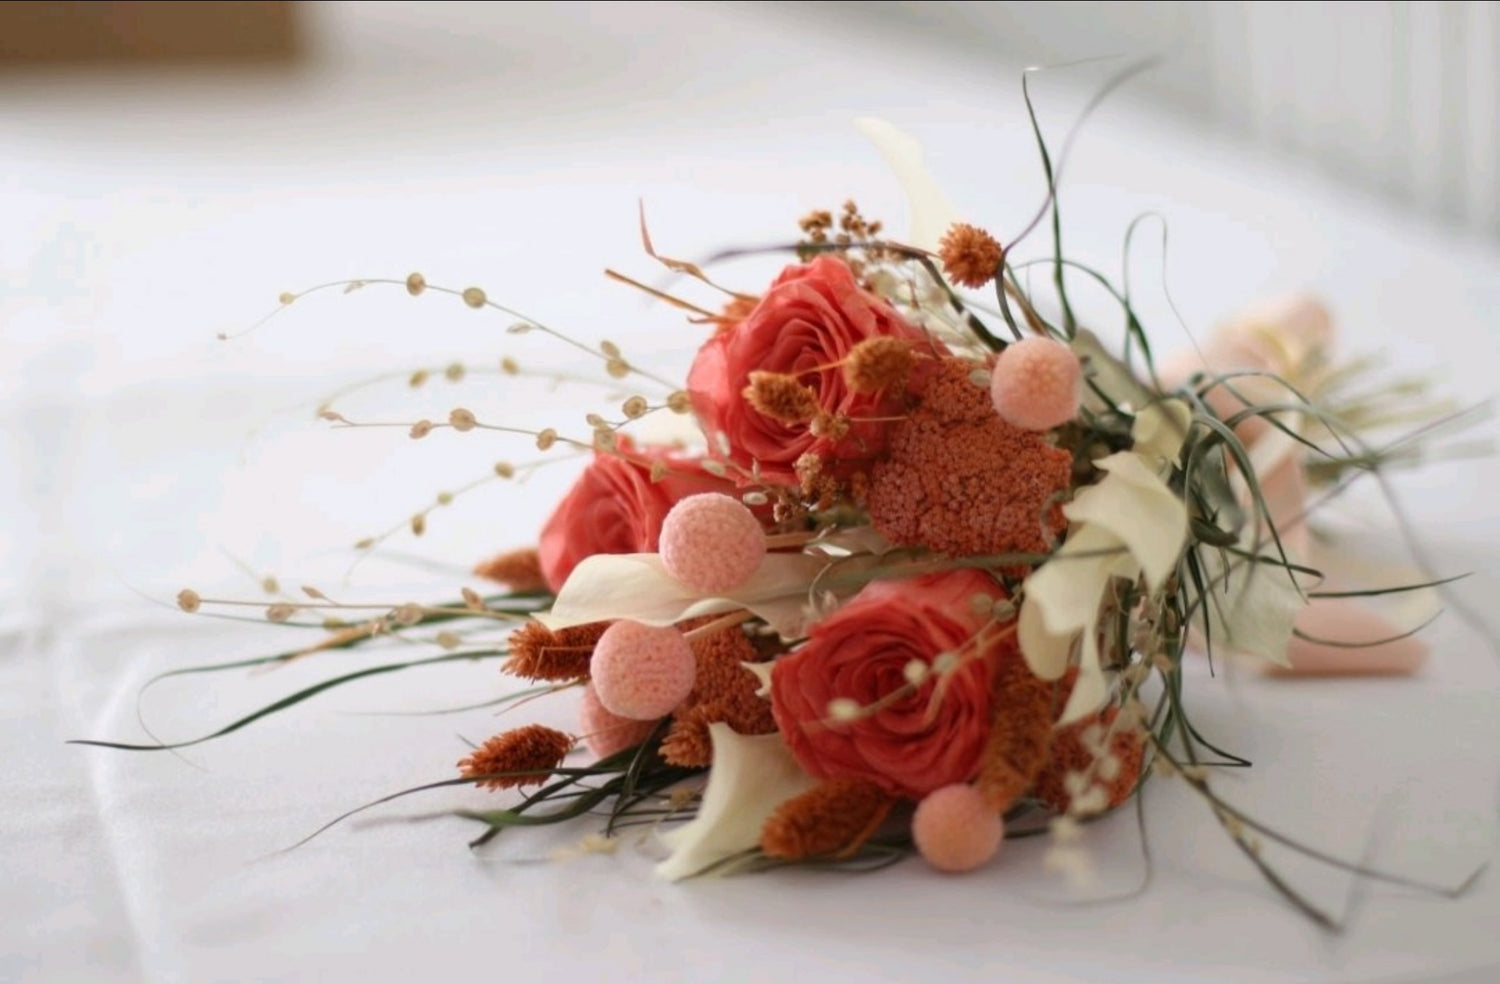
(415, 284)
(418, 524)
(418, 378)
(280, 612)
(509, 366)
(679, 402)
(474, 297)
(635, 407)
(617, 368)
(454, 373)
(421, 429)
(505, 469)
(462, 420)
(188, 600)
(407, 614)
(448, 639)
(546, 439)
(844, 709)
(609, 349)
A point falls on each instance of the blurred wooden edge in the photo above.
(150, 31)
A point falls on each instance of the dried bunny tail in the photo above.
(521, 757)
(539, 653)
(832, 820)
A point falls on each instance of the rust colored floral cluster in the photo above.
(961, 481)
(1072, 753)
(723, 691)
(1020, 732)
(521, 757)
(970, 255)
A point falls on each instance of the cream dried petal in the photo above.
(750, 778)
(931, 211)
(606, 587)
(1138, 510)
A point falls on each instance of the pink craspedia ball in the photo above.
(711, 543)
(606, 733)
(955, 829)
(1036, 384)
(641, 672)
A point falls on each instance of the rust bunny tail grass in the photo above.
(1018, 744)
(519, 570)
(832, 820)
(538, 653)
(521, 757)
(877, 364)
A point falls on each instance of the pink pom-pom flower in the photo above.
(606, 733)
(955, 829)
(711, 543)
(1036, 384)
(642, 672)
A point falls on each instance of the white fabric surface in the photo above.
(508, 150)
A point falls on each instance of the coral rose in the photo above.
(916, 743)
(615, 507)
(804, 326)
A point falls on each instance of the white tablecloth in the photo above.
(142, 216)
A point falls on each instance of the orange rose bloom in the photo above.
(923, 740)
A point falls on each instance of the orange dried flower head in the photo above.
(1080, 762)
(1020, 732)
(877, 364)
(970, 255)
(738, 308)
(538, 653)
(834, 819)
(781, 397)
(519, 570)
(723, 691)
(507, 758)
(961, 481)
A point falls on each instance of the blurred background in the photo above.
(1400, 97)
